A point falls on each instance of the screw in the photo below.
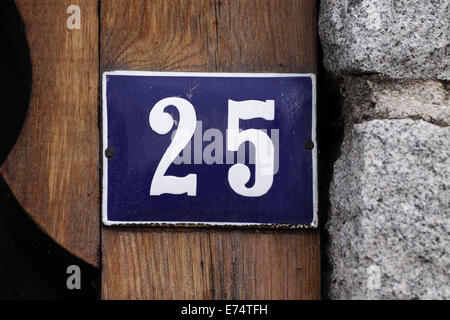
(309, 145)
(109, 152)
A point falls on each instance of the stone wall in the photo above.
(389, 220)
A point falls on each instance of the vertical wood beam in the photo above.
(206, 35)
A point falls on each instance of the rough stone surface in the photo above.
(400, 39)
(371, 97)
(390, 212)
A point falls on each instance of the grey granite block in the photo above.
(400, 39)
(372, 97)
(390, 212)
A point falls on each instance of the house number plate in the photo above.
(209, 149)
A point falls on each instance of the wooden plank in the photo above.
(157, 35)
(267, 36)
(170, 263)
(53, 168)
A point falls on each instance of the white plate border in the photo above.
(104, 202)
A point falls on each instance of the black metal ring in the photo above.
(309, 145)
(110, 152)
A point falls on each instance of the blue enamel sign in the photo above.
(209, 148)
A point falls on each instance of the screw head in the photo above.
(109, 152)
(309, 145)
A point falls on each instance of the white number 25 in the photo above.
(239, 174)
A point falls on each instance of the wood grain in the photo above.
(53, 168)
(266, 36)
(244, 36)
